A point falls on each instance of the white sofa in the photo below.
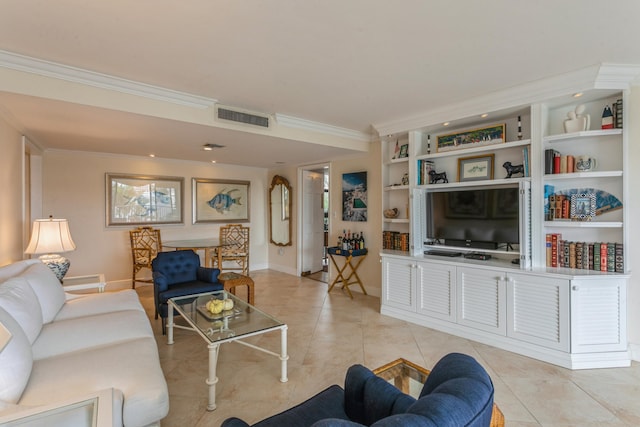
(64, 346)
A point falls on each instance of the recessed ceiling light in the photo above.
(445, 124)
(213, 161)
(484, 115)
(577, 95)
(152, 155)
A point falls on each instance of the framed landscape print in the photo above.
(472, 138)
(139, 199)
(475, 168)
(220, 200)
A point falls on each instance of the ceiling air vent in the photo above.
(226, 113)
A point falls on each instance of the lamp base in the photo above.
(57, 263)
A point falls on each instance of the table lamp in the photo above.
(50, 237)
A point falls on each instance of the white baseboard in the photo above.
(634, 349)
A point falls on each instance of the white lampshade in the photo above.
(50, 236)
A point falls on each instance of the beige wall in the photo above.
(74, 188)
(11, 177)
(370, 270)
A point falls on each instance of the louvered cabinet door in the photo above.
(598, 315)
(436, 287)
(481, 299)
(398, 283)
(538, 310)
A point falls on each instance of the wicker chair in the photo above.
(145, 245)
(233, 249)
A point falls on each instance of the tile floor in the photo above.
(329, 332)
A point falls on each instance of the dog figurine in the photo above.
(511, 169)
(434, 177)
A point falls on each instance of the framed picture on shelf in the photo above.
(142, 199)
(220, 200)
(583, 206)
(404, 151)
(494, 134)
(475, 168)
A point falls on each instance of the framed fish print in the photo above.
(220, 200)
(139, 199)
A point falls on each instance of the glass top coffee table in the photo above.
(230, 325)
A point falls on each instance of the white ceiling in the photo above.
(350, 64)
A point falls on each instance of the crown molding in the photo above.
(600, 76)
(617, 76)
(41, 67)
(308, 125)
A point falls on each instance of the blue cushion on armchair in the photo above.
(457, 393)
(178, 273)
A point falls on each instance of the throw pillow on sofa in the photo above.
(15, 361)
(19, 300)
(47, 288)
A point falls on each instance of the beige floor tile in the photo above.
(328, 332)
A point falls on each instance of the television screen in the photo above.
(474, 218)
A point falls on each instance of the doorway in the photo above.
(314, 222)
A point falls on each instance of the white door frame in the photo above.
(300, 195)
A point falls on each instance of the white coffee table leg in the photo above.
(283, 354)
(169, 324)
(213, 379)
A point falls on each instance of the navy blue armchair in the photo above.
(458, 393)
(178, 273)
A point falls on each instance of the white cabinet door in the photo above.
(436, 290)
(538, 310)
(598, 315)
(398, 283)
(481, 299)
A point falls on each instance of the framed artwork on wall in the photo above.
(220, 200)
(140, 199)
(354, 196)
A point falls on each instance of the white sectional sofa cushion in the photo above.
(81, 333)
(18, 299)
(47, 288)
(15, 361)
(84, 344)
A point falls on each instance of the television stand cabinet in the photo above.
(571, 318)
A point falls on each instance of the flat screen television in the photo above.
(474, 218)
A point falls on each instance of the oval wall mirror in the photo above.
(279, 211)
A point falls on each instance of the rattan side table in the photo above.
(230, 280)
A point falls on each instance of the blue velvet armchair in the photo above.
(458, 393)
(178, 273)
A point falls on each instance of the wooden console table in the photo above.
(356, 255)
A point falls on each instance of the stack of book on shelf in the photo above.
(559, 207)
(617, 114)
(525, 161)
(424, 167)
(395, 241)
(555, 162)
(596, 256)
